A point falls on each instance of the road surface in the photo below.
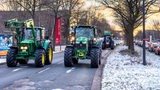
(50, 77)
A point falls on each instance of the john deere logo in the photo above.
(81, 54)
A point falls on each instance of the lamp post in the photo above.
(144, 36)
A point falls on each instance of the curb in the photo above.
(58, 52)
(96, 83)
(2, 63)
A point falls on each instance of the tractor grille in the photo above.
(81, 46)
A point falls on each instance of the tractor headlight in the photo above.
(95, 40)
(77, 42)
(23, 47)
(72, 38)
(84, 42)
(107, 43)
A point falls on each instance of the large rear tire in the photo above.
(100, 54)
(49, 55)
(68, 57)
(10, 59)
(40, 58)
(95, 58)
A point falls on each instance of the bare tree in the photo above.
(69, 5)
(31, 6)
(129, 15)
(156, 26)
(54, 7)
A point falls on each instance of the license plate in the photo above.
(23, 50)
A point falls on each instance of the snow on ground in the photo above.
(123, 72)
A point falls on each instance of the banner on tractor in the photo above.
(5, 43)
(58, 30)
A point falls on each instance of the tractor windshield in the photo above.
(85, 32)
(28, 34)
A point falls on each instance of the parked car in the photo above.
(152, 47)
(146, 44)
(157, 50)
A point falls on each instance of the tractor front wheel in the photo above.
(95, 58)
(68, 57)
(49, 55)
(40, 58)
(10, 59)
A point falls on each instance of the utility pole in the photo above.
(144, 35)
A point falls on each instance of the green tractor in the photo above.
(31, 44)
(84, 44)
(108, 41)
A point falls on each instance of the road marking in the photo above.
(44, 70)
(16, 69)
(57, 89)
(70, 70)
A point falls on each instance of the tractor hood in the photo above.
(81, 39)
(27, 41)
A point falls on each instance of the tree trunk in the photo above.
(129, 39)
(53, 38)
(67, 31)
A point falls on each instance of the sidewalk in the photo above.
(57, 50)
(124, 72)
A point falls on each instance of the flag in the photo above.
(58, 30)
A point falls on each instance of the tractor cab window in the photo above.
(28, 34)
(108, 39)
(38, 34)
(85, 32)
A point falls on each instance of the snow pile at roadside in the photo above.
(123, 72)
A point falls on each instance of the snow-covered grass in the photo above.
(123, 72)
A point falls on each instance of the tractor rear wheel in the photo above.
(40, 58)
(75, 61)
(23, 61)
(68, 57)
(49, 55)
(10, 59)
(95, 58)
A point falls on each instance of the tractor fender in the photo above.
(46, 43)
(69, 46)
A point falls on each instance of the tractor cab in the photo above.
(84, 32)
(38, 31)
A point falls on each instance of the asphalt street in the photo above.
(50, 77)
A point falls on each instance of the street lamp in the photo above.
(144, 36)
